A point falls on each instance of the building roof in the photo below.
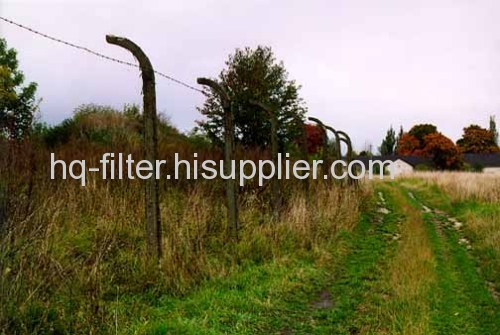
(411, 160)
(485, 160)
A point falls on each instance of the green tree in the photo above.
(493, 129)
(17, 101)
(419, 131)
(254, 74)
(398, 139)
(388, 145)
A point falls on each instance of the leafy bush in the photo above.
(422, 167)
(59, 134)
(477, 167)
(105, 126)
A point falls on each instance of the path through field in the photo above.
(405, 269)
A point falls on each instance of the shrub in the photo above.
(422, 167)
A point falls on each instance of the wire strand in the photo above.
(98, 54)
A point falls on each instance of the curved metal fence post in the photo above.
(153, 218)
(275, 184)
(231, 197)
(337, 154)
(305, 152)
(347, 140)
(336, 148)
(326, 161)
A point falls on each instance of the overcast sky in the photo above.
(363, 64)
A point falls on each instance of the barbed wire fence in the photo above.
(98, 54)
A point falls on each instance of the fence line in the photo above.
(98, 54)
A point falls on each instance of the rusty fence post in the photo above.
(275, 184)
(231, 195)
(303, 147)
(347, 140)
(337, 150)
(325, 156)
(153, 218)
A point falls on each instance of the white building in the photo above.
(489, 163)
(403, 165)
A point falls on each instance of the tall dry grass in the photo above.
(462, 186)
(67, 252)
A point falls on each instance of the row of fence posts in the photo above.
(152, 207)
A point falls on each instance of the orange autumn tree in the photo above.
(412, 142)
(444, 153)
(425, 141)
(477, 140)
(408, 145)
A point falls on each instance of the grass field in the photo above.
(419, 255)
(404, 269)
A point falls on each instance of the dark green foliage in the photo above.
(59, 134)
(104, 125)
(365, 153)
(398, 138)
(478, 167)
(388, 145)
(198, 140)
(420, 131)
(17, 102)
(493, 129)
(254, 74)
(422, 167)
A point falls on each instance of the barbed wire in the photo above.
(98, 54)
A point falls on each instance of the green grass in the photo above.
(78, 264)
(481, 226)
(255, 300)
(402, 272)
(460, 300)
(280, 296)
(428, 284)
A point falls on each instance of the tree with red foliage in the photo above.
(425, 141)
(315, 138)
(407, 145)
(443, 152)
(477, 140)
(413, 142)
(419, 131)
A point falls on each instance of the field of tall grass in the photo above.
(68, 252)
(463, 186)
